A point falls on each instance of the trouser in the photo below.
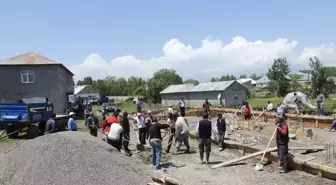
(333, 126)
(170, 140)
(115, 143)
(247, 117)
(147, 132)
(204, 145)
(283, 156)
(156, 151)
(183, 138)
(221, 136)
(142, 135)
(86, 116)
(182, 110)
(319, 107)
(93, 131)
(298, 109)
(126, 141)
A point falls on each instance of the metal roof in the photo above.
(262, 80)
(31, 58)
(244, 80)
(202, 87)
(177, 88)
(79, 88)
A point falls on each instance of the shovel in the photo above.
(260, 166)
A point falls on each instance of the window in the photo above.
(27, 76)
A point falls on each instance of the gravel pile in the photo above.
(69, 158)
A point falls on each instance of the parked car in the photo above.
(108, 107)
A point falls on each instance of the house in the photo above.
(262, 82)
(304, 78)
(223, 93)
(249, 82)
(32, 75)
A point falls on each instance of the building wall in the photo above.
(261, 84)
(51, 81)
(196, 99)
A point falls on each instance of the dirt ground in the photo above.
(186, 169)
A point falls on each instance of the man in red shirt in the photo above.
(282, 139)
(106, 124)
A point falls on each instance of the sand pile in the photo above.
(72, 158)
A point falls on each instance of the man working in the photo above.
(86, 115)
(319, 102)
(140, 121)
(221, 127)
(203, 130)
(156, 141)
(170, 110)
(72, 126)
(171, 121)
(182, 134)
(50, 125)
(114, 136)
(206, 107)
(138, 105)
(106, 124)
(148, 122)
(269, 108)
(182, 107)
(93, 124)
(333, 125)
(124, 122)
(282, 139)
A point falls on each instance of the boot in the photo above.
(188, 150)
(207, 157)
(201, 157)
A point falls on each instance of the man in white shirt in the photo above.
(182, 107)
(269, 108)
(182, 134)
(140, 121)
(114, 137)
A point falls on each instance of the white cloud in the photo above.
(213, 58)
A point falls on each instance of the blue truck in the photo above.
(32, 117)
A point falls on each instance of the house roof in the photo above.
(244, 80)
(262, 80)
(201, 87)
(79, 88)
(31, 58)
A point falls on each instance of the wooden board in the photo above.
(243, 158)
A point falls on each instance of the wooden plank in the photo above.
(307, 148)
(242, 158)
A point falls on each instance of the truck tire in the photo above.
(12, 128)
(32, 132)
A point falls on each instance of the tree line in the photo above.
(281, 82)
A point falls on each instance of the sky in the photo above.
(199, 39)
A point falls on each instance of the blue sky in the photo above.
(68, 31)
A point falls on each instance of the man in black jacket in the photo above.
(282, 140)
(124, 122)
(203, 131)
(221, 127)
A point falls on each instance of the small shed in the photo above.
(224, 93)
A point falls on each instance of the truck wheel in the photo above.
(11, 129)
(32, 132)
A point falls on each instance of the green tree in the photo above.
(86, 81)
(161, 80)
(330, 86)
(278, 73)
(255, 76)
(191, 81)
(319, 77)
(242, 76)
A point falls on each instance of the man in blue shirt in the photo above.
(72, 126)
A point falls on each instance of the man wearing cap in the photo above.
(106, 124)
(93, 124)
(72, 126)
(203, 131)
(221, 128)
(140, 121)
(282, 139)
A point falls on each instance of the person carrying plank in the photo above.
(203, 131)
(282, 140)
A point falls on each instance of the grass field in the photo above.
(329, 103)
